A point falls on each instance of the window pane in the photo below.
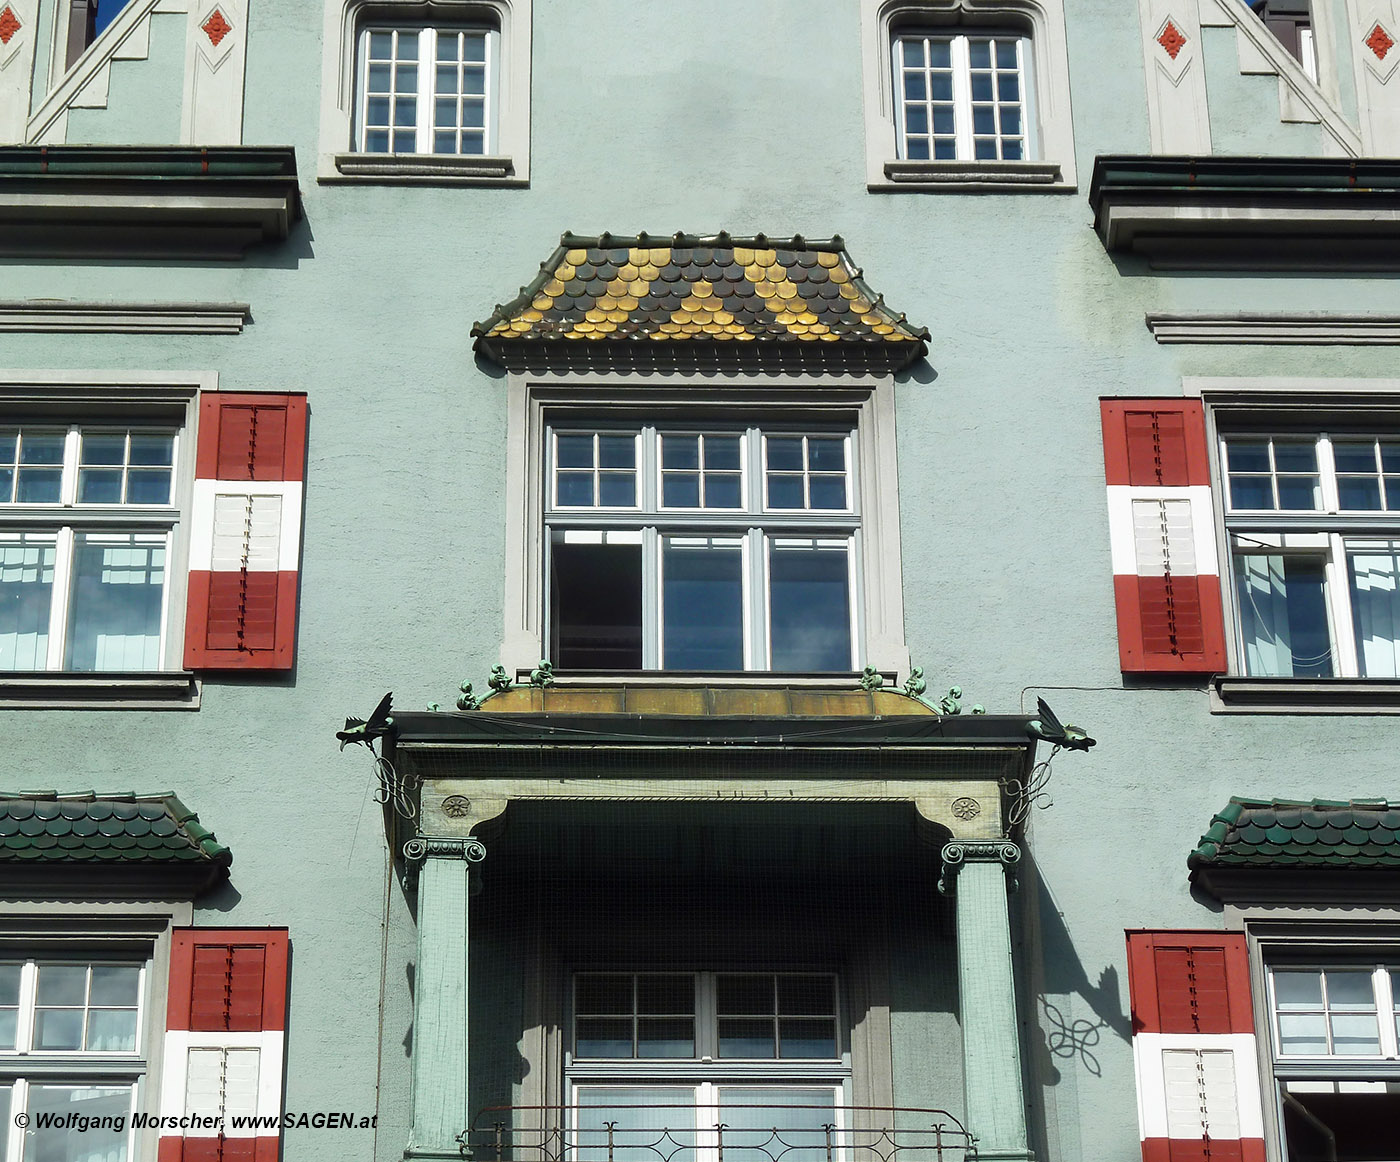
(826, 455)
(665, 1037)
(722, 453)
(746, 1037)
(575, 490)
(806, 1037)
(148, 486)
(1295, 457)
(604, 1037)
(26, 596)
(599, 993)
(1349, 1123)
(1297, 989)
(596, 605)
(680, 490)
(1355, 1034)
(1283, 616)
(745, 995)
(784, 454)
(806, 995)
(786, 1123)
(665, 994)
(1301, 1033)
(617, 489)
(115, 984)
(1350, 991)
(1247, 455)
(41, 447)
(62, 984)
(702, 598)
(680, 451)
(112, 1030)
(1358, 493)
(723, 492)
(1352, 456)
(810, 610)
(617, 451)
(58, 1029)
(115, 616)
(650, 1124)
(103, 449)
(1299, 493)
(96, 1144)
(9, 983)
(99, 486)
(1375, 607)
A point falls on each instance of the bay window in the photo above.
(720, 549)
(87, 515)
(1313, 521)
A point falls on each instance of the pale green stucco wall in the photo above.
(699, 117)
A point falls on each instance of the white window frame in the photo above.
(964, 135)
(83, 927)
(704, 1074)
(426, 69)
(507, 160)
(755, 528)
(862, 404)
(125, 400)
(1048, 166)
(1348, 937)
(1327, 534)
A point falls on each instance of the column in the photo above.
(995, 1109)
(440, 1113)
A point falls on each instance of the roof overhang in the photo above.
(88, 201)
(1247, 213)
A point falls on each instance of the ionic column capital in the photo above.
(961, 851)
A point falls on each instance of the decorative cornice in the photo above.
(1297, 328)
(961, 851)
(37, 316)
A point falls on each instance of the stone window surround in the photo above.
(869, 400)
(336, 162)
(1266, 398)
(1043, 22)
(37, 392)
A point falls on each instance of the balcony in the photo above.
(732, 1132)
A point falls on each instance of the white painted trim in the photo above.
(1122, 543)
(513, 19)
(1178, 113)
(1151, 1084)
(1045, 21)
(54, 316)
(17, 71)
(211, 112)
(269, 1043)
(1293, 328)
(202, 519)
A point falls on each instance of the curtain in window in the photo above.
(118, 585)
(1283, 616)
(99, 1142)
(1375, 604)
(26, 592)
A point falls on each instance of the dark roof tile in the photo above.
(88, 826)
(1321, 833)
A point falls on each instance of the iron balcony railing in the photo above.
(733, 1133)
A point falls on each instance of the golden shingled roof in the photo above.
(806, 296)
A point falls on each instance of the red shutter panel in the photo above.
(1199, 1095)
(224, 1044)
(1161, 526)
(245, 534)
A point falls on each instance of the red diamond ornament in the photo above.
(9, 24)
(1379, 42)
(1171, 40)
(216, 28)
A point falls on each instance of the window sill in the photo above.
(1237, 695)
(991, 177)
(746, 679)
(423, 170)
(168, 690)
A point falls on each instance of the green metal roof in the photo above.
(1354, 835)
(125, 828)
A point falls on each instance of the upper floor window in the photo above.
(1313, 520)
(962, 97)
(426, 90)
(87, 515)
(1291, 22)
(87, 19)
(682, 547)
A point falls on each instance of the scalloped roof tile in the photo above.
(612, 298)
(86, 826)
(1273, 833)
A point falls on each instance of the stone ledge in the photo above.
(1362, 696)
(170, 690)
(423, 169)
(59, 316)
(974, 177)
(1300, 328)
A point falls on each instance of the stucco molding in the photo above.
(1042, 20)
(215, 62)
(1306, 328)
(1377, 91)
(1178, 113)
(513, 19)
(1300, 99)
(52, 316)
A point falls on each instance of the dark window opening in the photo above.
(1339, 1127)
(87, 20)
(595, 605)
(1291, 23)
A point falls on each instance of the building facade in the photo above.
(737, 435)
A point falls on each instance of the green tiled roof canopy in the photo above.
(1278, 833)
(123, 829)
(644, 302)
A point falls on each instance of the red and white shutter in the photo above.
(1194, 1048)
(245, 532)
(1166, 578)
(224, 1043)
